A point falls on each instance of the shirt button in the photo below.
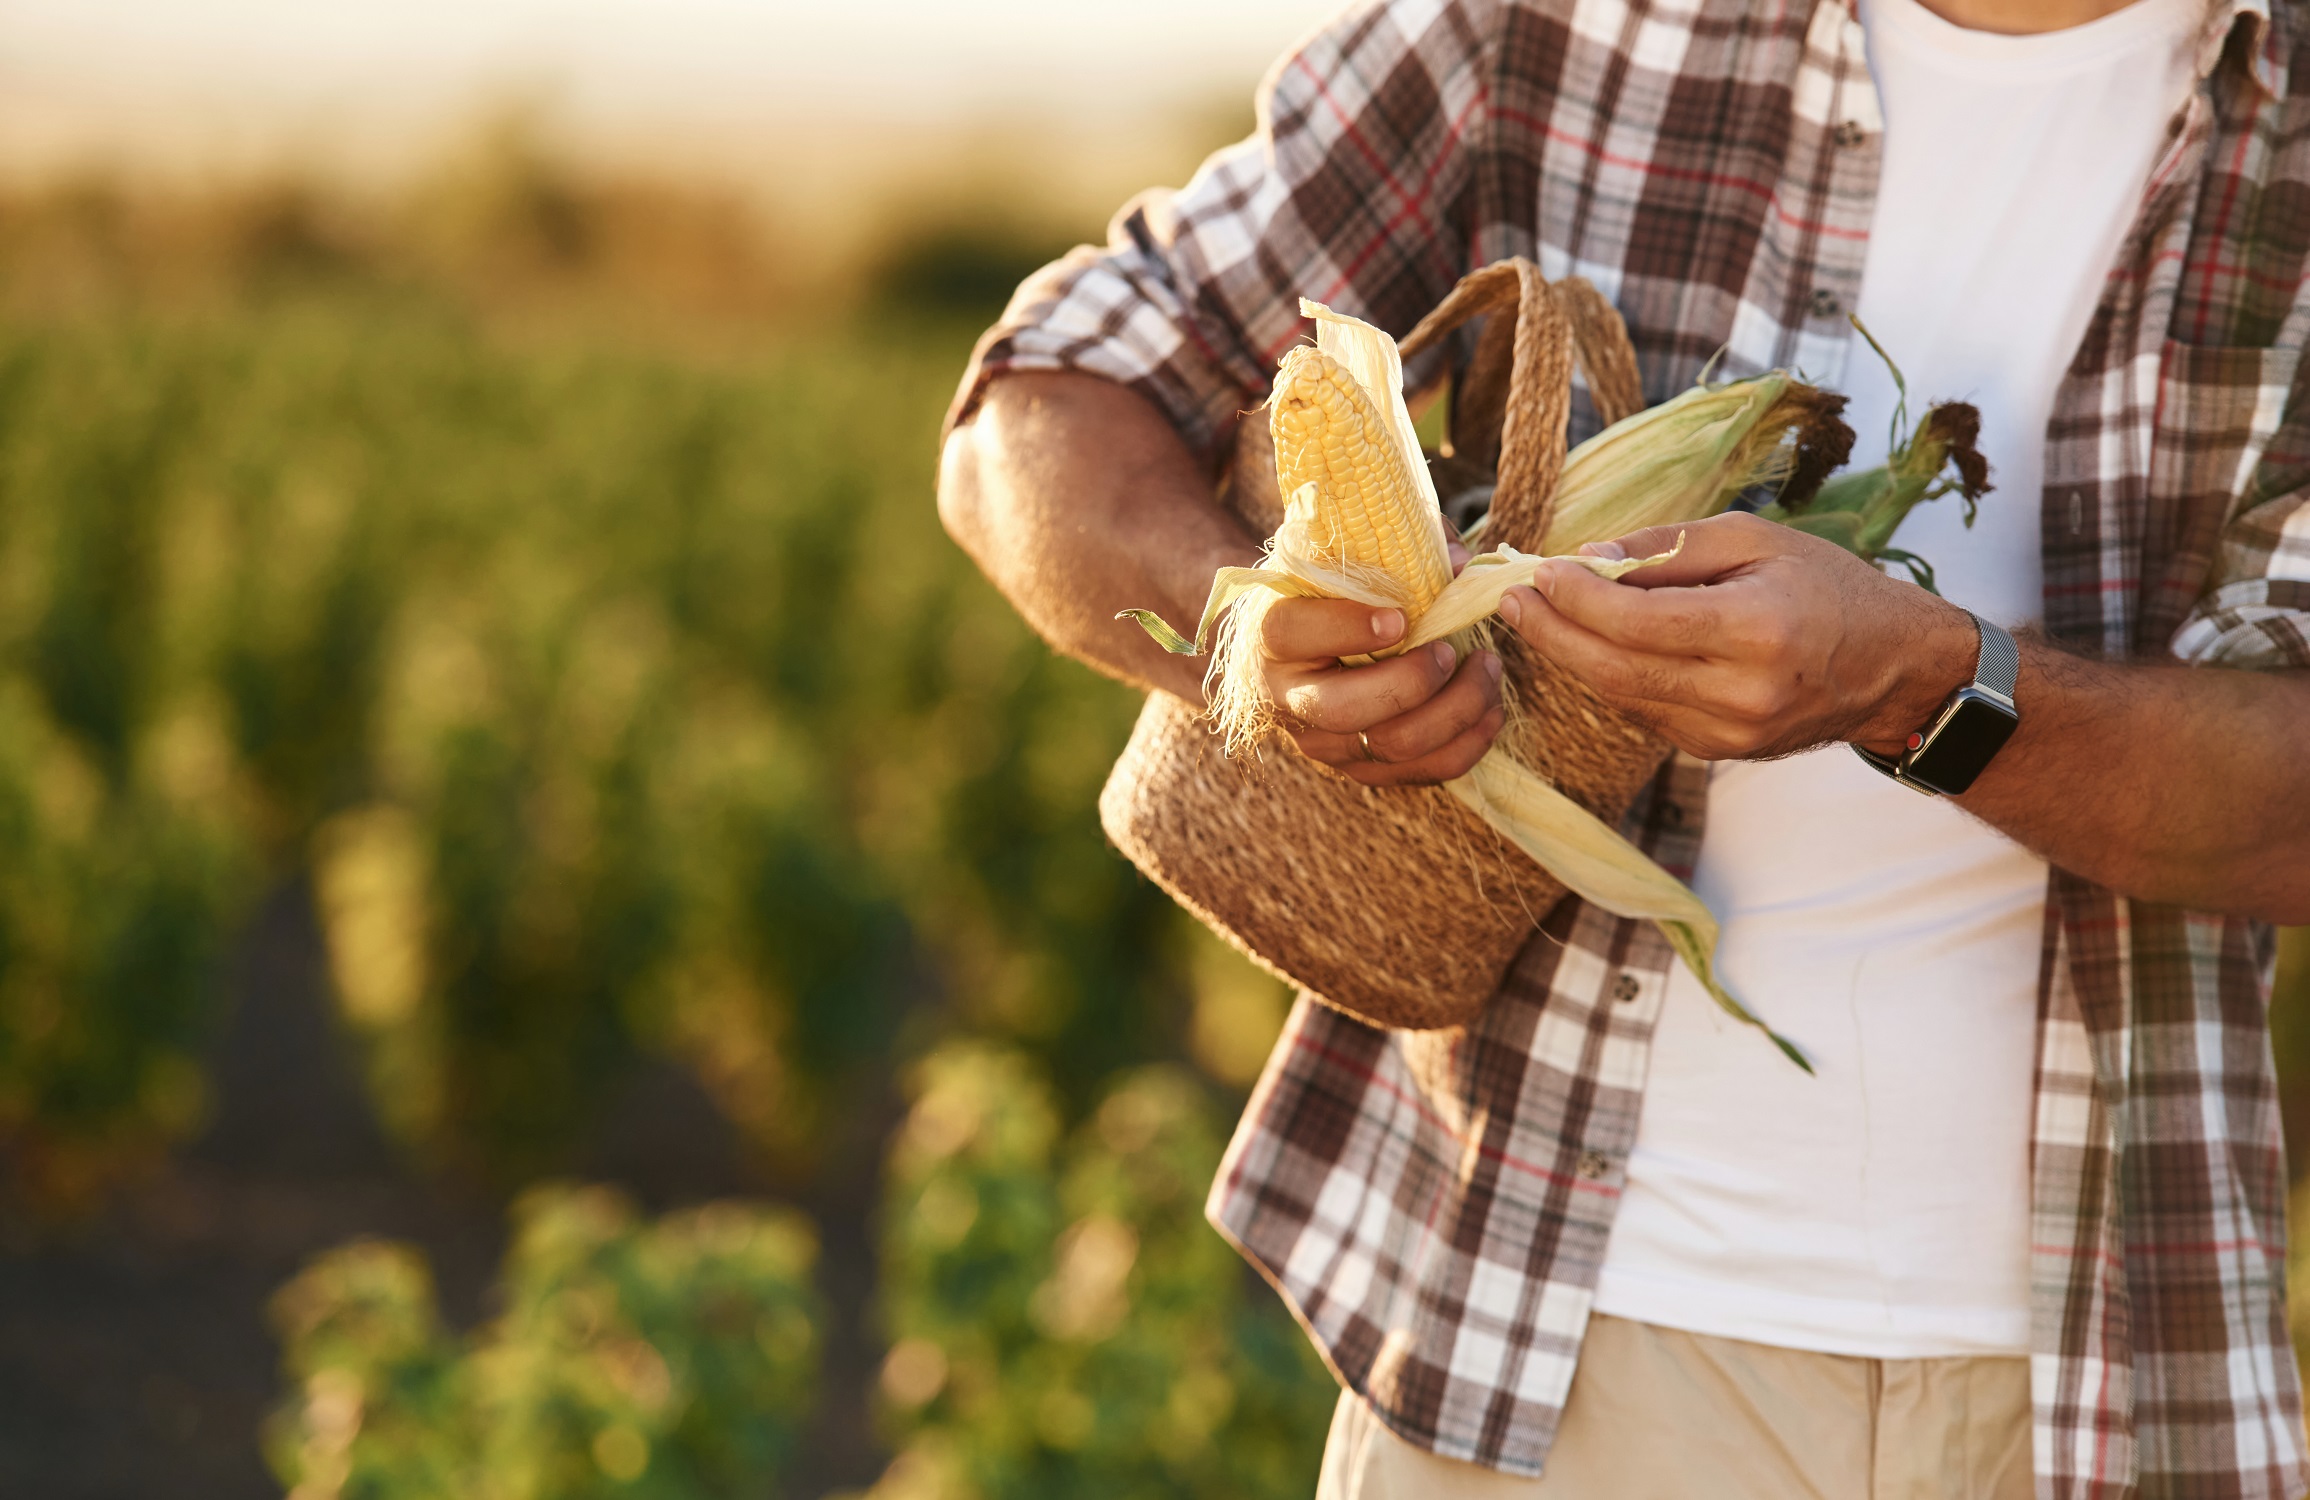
(1849, 134)
(1825, 304)
(1625, 988)
(1593, 1164)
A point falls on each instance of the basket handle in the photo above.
(1607, 358)
(1514, 399)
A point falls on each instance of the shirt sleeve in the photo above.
(2257, 613)
(1355, 190)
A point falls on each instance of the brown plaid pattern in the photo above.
(1435, 1206)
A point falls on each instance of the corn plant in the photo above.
(669, 1360)
(1063, 1321)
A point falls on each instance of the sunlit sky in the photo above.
(88, 77)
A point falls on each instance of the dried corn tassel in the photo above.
(1860, 511)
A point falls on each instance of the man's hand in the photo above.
(2164, 783)
(1412, 719)
(1754, 641)
(1079, 500)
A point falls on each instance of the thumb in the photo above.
(1709, 550)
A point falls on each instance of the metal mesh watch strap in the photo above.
(1999, 665)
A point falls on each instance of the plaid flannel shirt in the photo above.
(1435, 1206)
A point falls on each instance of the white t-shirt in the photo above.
(1881, 1208)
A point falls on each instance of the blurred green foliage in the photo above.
(122, 864)
(672, 1360)
(115, 890)
(965, 269)
(612, 699)
(1063, 1320)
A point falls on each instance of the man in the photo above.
(2024, 1232)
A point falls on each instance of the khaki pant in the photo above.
(1657, 1414)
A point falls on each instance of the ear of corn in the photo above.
(1861, 511)
(1333, 443)
(1372, 358)
(1690, 457)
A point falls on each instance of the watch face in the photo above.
(1969, 734)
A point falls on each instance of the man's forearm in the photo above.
(2181, 785)
(2171, 784)
(1078, 499)
(2166, 783)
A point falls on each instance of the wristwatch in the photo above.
(1958, 743)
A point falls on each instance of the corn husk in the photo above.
(1599, 866)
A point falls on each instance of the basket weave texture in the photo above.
(1399, 905)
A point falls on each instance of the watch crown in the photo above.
(1916, 740)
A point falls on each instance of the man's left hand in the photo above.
(1754, 641)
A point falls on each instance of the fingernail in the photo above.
(1609, 551)
(1387, 624)
(1492, 666)
(1511, 609)
(1445, 655)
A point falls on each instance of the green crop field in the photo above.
(612, 703)
(609, 702)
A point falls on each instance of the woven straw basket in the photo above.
(1400, 906)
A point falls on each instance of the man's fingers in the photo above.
(1600, 658)
(1454, 758)
(1713, 548)
(1455, 709)
(1307, 630)
(1715, 709)
(1346, 700)
(1675, 622)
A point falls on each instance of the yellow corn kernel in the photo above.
(1369, 514)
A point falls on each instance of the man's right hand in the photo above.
(1079, 499)
(1411, 720)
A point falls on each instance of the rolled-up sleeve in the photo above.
(2257, 613)
(1355, 190)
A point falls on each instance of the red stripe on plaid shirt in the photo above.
(1649, 168)
(2232, 177)
(1409, 203)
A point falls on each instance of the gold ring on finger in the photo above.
(1365, 740)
